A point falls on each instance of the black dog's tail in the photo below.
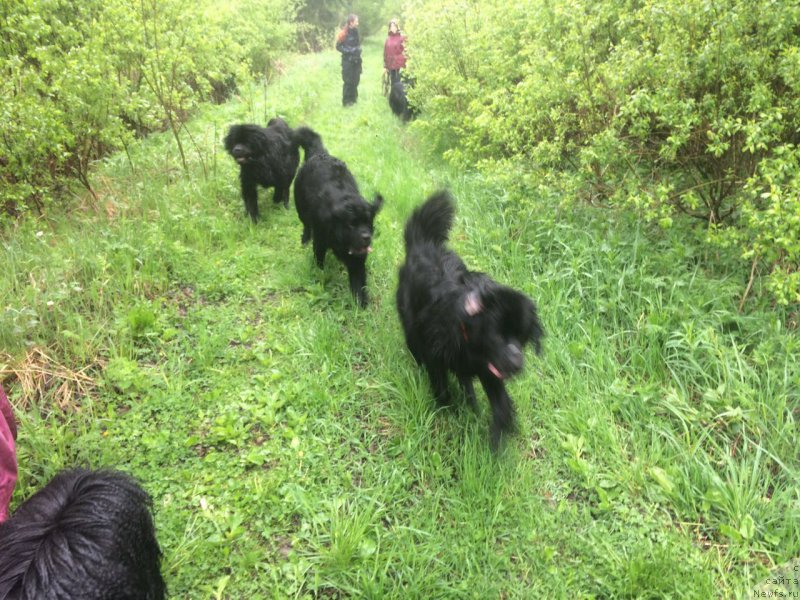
(432, 221)
(309, 140)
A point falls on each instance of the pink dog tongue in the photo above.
(493, 370)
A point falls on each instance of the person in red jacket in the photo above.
(8, 455)
(394, 52)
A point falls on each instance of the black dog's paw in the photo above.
(362, 297)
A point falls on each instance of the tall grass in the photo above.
(292, 445)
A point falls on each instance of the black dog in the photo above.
(333, 212)
(86, 534)
(398, 99)
(267, 157)
(459, 320)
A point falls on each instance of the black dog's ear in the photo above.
(340, 212)
(377, 203)
(472, 303)
(523, 310)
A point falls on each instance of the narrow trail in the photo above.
(338, 473)
(341, 477)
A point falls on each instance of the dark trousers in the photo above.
(394, 75)
(351, 75)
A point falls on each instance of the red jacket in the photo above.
(394, 56)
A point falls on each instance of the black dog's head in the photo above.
(86, 534)
(245, 143)
(498, 323)
(354, 224)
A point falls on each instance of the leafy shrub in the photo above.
(253, 31)
(668, 107)
(80, 79)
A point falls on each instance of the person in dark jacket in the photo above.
(349, 44)
(394, 53)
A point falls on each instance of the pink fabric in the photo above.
(8, 454)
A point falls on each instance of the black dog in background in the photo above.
(333, 212)
(267, 156)
(86, 534)
(459, 320)
(398, 99)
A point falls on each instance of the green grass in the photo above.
(291, 444)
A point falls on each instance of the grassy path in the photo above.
(290, 443)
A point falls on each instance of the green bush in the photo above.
(81, 79)
(668, 107)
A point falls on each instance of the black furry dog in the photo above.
(459, 320)
(333, 212)
(398, 100)
(86, 534)
(267, 156)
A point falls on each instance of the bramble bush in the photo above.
(81, 79)
(666, 107)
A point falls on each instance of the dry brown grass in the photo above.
(43, 381)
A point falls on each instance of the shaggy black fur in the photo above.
(267, 156)
(86, 534)
(333, 212)
(459, 320)
(398, 100)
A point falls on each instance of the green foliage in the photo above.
(81, 79)
(319, 20)
(124, 377)
(256, 31)
(666, 107)
(291, 443)
(770, 231)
